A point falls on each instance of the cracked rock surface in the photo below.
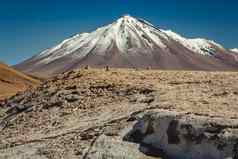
(124, 114)
(183, 135)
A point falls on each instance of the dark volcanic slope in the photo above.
(131, 42)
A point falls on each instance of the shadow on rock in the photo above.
(172, 135)
(136, 136)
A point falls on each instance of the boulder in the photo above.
(185, 136)
(114, 148)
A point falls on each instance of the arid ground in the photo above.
(65, 115)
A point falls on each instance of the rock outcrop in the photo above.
(185, 136)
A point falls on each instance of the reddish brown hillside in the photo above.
(12, 81)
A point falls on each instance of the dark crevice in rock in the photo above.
(173, 133)
(202, 137)
(135, 136)
(150, 150)
(191, 135)
(235, 150)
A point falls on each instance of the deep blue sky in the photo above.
(30, 26)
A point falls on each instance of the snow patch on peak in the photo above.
(127, 16)
(235, 50)
(197, 45)
(63, 44)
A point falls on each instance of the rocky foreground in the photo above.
(124, 114)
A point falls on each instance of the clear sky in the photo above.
(29, 26)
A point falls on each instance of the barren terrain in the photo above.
(68, 115)
(12, 81)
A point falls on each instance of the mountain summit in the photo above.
(128, 43)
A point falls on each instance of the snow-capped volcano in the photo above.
(126, 34)
(130, 42)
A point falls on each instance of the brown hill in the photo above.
(12, 81)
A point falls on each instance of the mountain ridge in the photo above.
(131, 42)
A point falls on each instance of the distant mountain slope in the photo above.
(235, 53)
(12, 81)
(131, 42)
